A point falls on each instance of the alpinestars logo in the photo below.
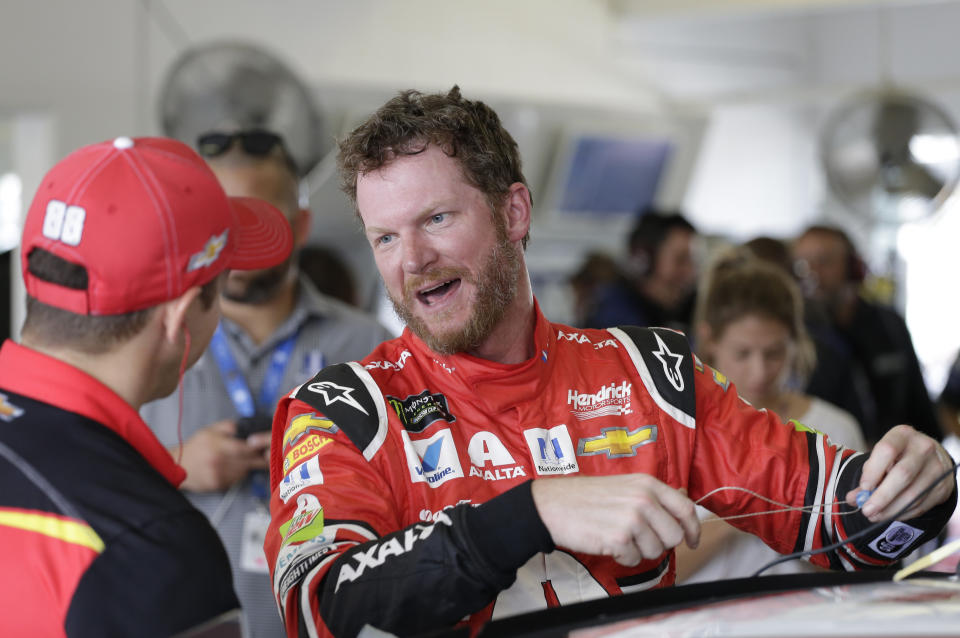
(671, 363)
(610, 400)
(433, 461)
(332, 393)
(552, 450)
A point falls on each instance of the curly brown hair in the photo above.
(467, 130)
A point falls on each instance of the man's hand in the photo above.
(630, 517)
(215, 459)
(903, 464)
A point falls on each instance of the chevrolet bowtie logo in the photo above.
(8, 411)
(617, 442)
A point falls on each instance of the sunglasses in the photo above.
(255, 142)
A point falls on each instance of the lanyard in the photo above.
(236, 384)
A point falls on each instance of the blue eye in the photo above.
(439, 217)
(384, 239)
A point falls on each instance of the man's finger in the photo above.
(684, 512)
(884, 455)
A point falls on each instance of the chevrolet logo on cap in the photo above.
(617, 442)
(8, 411)
(209, 253)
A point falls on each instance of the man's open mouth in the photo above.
(432, 295)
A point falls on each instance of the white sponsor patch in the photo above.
(552, 450)
(300, 477)
(433, 461)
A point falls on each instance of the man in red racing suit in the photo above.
(532, 464)
(390, 466)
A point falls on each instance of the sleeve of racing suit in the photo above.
(741, 447)
(429, 576)
(341, 555)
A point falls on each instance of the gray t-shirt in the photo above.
(328, 331)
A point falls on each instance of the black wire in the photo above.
(861, 533)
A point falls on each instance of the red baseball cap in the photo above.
(148, 220)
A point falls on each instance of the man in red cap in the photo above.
(123, 252)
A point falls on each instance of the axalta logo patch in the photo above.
(433, 461)
(617, 442)
(610, 400)
(8, 411)
(390, 365)
(301, 476)
(582, 338)
(417, 412)
(304, 450)
(305, 424)
(307, 521)
(354, 565)
(209, 253)
(485, 448)
(552, 450)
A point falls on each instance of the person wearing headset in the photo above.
(124, 252)
(657, 286)
(875, 336)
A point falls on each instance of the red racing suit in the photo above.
(401, 484)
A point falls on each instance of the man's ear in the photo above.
(175, 313)
(517, 210)
(300, 224)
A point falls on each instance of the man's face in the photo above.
(268, 181)
(675, 269)
(449, 269)
(822, 264)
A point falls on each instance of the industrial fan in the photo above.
(890, 157)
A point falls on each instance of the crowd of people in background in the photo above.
(787, 322)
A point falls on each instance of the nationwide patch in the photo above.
(551, 450)
(304, 450)
(301, 476)
(617, 442)
(419, 411)
(301, 425)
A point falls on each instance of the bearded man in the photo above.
(488, 462)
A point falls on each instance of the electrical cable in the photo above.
(865, 531)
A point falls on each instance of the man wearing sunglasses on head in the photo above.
(277, 331)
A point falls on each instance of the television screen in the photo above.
(607, 176)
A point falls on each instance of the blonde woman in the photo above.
(749, 326)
